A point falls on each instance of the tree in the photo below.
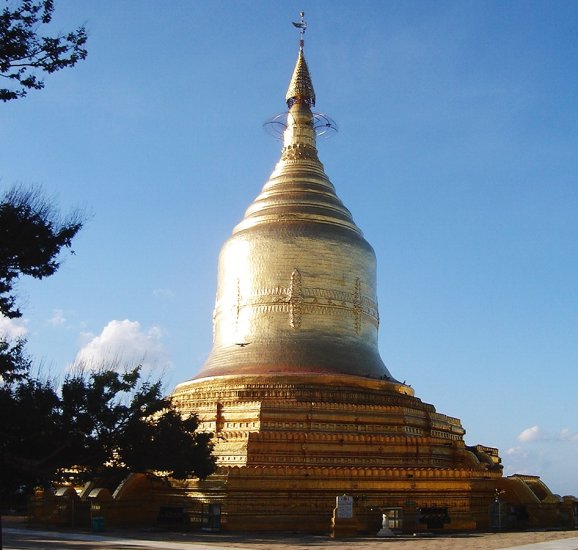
(14, 363)
(101, 426)
(32, 235)
(171, 444)
(32, 433)
(24, 52)
(119, 424)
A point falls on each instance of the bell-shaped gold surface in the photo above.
(296, 284)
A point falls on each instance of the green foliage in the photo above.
(171, 444)
(103, 425)
(32, 235)
(14, 363)
(121, 425)
(23, 51)
(32, 433)
(31, 238)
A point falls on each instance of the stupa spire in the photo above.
(298, 189)
(301, 87)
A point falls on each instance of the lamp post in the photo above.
(498, 502)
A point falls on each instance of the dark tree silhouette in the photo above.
(31, 427)
(14, 363)
(119, 424)
(102, 426)
(24, 52)
(32, 235)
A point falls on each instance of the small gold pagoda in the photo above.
(300, 403)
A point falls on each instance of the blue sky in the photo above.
(456, 154)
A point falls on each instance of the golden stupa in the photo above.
(300, 403)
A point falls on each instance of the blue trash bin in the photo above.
(98, 524)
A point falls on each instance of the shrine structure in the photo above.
(301, 405)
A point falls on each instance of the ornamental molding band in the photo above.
(297, 300)
(299, 151)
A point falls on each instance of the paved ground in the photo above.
(17, 537)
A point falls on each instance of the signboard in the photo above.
(344, 505)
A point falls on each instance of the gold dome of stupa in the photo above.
(297, 281)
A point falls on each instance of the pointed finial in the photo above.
(302, 26)
(301, 88)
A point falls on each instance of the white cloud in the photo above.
(164, 293)
(567, 435)
(11, 329)
(548, 453)
(519, 461)
(530, 434)
(124, 344)
(57, 318)
(535, 433)
(512, 451)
